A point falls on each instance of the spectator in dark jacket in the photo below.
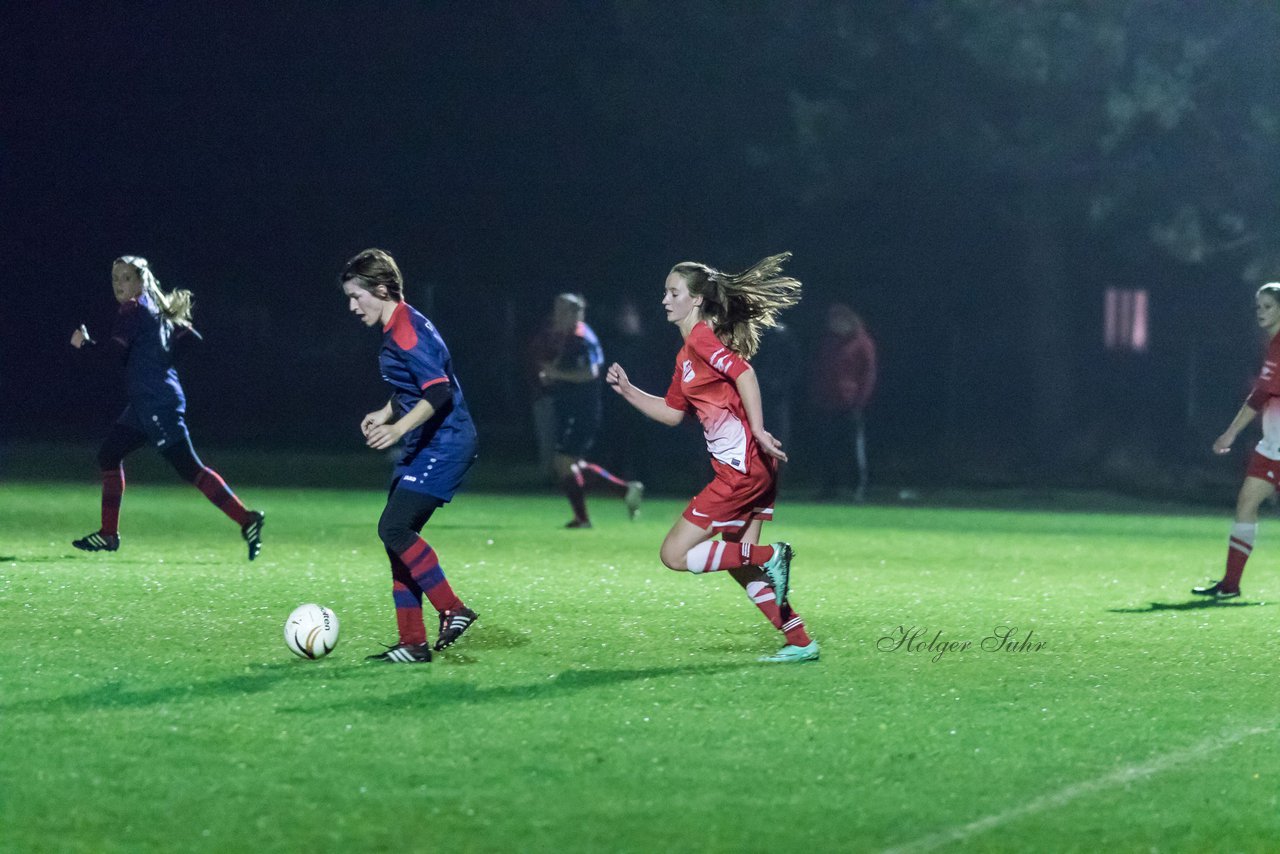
(840, 387)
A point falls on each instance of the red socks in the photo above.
(714, 555)
(112, 491)
(788, 623)
(216, 490)
(1239, 547)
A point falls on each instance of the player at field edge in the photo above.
(148, 324)
(1262, 477)
(720, 317)
(427, 413)
(573, 379)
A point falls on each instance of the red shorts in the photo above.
(1264, 469)
(733, 499)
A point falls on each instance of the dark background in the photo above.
(969, 176)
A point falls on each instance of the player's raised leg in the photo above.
(182, 456)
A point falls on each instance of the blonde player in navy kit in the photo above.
(428, 414)
(147, 325)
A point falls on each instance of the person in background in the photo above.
(841, 384)
(573, 378)
(148, 325)
(1262, 478)
(720, 317)
(428, 415)
(542, 349)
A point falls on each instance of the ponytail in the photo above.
(740, 306)
(176, 306)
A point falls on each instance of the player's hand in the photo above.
(770, 445)
(374, 419)
(383, 436)
(79, 337)
(617, 378)
(1222, 444)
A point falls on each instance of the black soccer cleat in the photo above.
(404, 653)
(1216, 591)
(97, 542)
(252, 532)
(452, 624)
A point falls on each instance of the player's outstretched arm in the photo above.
(648, 404)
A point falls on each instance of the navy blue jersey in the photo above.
(147, 336)
(414, 358)
(579, 352)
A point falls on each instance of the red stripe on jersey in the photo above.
(429, 383)
(401, 328)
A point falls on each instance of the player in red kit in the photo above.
(1263, 475)
(720, 316)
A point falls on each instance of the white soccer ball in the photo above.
(311, 631)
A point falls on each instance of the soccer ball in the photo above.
(311, 631)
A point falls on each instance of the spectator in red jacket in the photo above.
(843, 379)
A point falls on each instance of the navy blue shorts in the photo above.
(435, 477)
(162, 427)
(576, 432)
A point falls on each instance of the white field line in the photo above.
(1119, 777)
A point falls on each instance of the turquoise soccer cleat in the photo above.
(791, 653)
(778, 568)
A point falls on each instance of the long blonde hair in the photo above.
(740, 306)
(176, 305)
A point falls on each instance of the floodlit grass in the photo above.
(602, 703)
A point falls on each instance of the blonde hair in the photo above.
(374, 267)
(740, 306)
(176, 306)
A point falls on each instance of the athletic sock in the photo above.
(216, 490)
(607, 480)
(1239, 547)
(789, 623)
(572, 486)
(408, 613)
(424, 568)
(112, 491)
(714, 555)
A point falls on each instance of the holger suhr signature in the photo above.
(919, 639)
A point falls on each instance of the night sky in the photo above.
(491, 148)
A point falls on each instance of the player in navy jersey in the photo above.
(147, 326)
(428, 414)
(573, 378)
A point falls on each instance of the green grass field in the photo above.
(603, 703)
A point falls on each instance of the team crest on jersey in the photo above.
(687, 371)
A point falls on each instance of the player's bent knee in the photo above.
(395, 534)
(672, 559)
